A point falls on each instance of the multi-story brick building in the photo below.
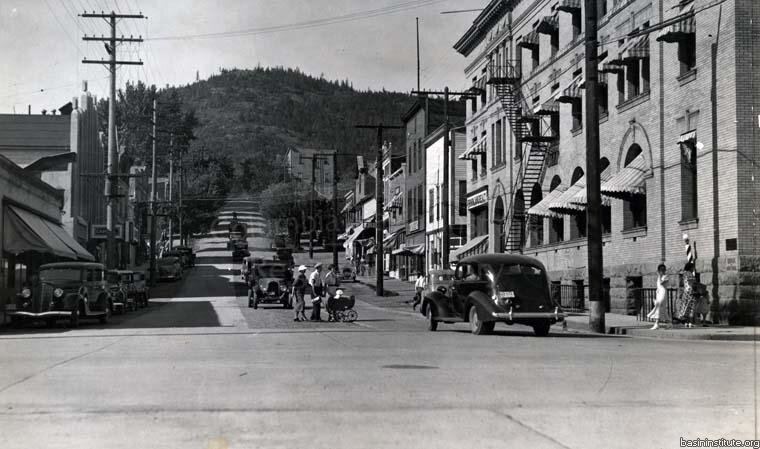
(679, 140)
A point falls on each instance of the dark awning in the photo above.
(26, 232)
(548, 24)
(681, 29)
(572, 92)
(476, 245)
(570, 6)
(639, 49)
(530, 40)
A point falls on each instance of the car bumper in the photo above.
(49, 314)
(511, 316)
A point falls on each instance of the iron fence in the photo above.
(570, 297)
(648, 296)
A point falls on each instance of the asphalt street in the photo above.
(199, 369)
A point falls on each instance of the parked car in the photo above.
(184, 258)
(64, 290)
(169, 267)
(188, 252)
(491, 288)
(348, 274)
(118, 282)
(240, 250)
(139, 289)
(270, 283)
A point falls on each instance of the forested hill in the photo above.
(253, 116)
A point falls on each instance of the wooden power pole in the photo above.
(112, 166)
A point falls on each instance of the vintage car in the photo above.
(139, 289)
(169, 267)
(240, 250)
(118, 283)
(64, 290)
(270, 282)
(348, 274)
(491, 288)
(184, 258)
(189, 254)
(285, 255)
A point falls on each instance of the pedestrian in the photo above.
(688, 300)
(419, 286)
(299, 290)
(315, 281)
(659, 312)
(330, 282)
(702, 308)
(363, 266)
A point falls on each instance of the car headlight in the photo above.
(57, 292)
(498, 301)
(283, 287)
(26, 292)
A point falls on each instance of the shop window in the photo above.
(462, 198)
(687, 53)
(577, 112)
(535, 222)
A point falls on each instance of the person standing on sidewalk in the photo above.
(315, 281)
(299, 290)
(370, 265)
(659, 311)
(688, 299)
(419, 286)
(330, 282)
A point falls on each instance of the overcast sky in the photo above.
(40, 41)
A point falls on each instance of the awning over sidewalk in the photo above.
(359, 232)
(24, 231)
(391, 241)
(542, 208)
(414, 250)
(476, 245)
(628, 181)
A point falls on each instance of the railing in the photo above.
(570, 297)
(510, 70)
(648, 296)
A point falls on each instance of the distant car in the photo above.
(188, 252)
(184, 257)
(64, 290)
(285, 255)
(139, 290)
(118, 284)
(240, 250)
(348, 274)
(169, 267)
(491, 288)
(270, 282)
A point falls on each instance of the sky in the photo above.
(40, 41)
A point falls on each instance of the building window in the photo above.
(493, 144)
(602, 99)
(431, 195)
(688, 147)
(687, 53)
(534, 55)
(621, 87)
(498, 143)
(635, 206)
(409, 202)
(645, 75)
(632, 77)
(474, 163)
(606, 210)
(437, 203)
(578, 222)
(462, 198)
(602, 8)
(554, 43)
(420, 202)
(483, 164)
(556, 225)
(554, 125)
(577, 19)
(577, 112)
(420, 154)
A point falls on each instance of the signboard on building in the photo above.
(477, 198)
(414, 226)
(100, 232)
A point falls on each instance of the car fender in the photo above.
(439, 301)
(484, 304)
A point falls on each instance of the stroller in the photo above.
(341, 307)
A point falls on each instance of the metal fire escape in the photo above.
(533, 138)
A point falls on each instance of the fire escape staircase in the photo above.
(532, 140)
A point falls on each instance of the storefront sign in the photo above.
(414, 226)
(100, 232)
(477, 199)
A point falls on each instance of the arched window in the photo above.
(578, 222)
(604, 164)
(536, 223)
(635, 205)
(556, 225)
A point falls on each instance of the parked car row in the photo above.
(73, 291)
(172, 265)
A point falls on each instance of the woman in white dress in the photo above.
(659, 311)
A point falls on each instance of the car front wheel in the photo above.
(106, 316)
(74, 317)
(542, 329)
(432, 324)
(477, 325)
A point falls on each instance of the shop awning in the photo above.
(548, 24)
(572, 92)
(479, 86)
(395, 202)
(570, 6)
(530, 40)
(580, 197)
(628, 181)
(476, 245)
(390, 242)
(27, 232)
(360, 232)
(610, 68)
(681, 29)
(413, 250)
(546, 108)
(639, 49)
(542, 208)
(474, 150)
(563, 204)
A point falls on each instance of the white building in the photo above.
(302, 162)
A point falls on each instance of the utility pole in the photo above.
(335, 211)
(311, 203)
(593, 211)
(111, 179)
(181, 180)
(379, 204)
(447, 177)
(418, 52)
(171, 182)
(153, 202)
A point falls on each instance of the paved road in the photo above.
(199, 369)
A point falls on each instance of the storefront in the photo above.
(477, 207)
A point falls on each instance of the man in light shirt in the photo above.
(315, 280)
(419, 285)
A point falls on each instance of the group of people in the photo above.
(693, 302)
(320, 287)
(362, 265)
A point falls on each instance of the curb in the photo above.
(643, 331)
(386, 292)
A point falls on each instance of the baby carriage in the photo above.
(341, 307)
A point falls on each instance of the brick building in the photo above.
(676, 159)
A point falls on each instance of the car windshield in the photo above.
(112, 278)
(523, 280)
(167, 262)
(126, 277)
(271, 271)
(60, 274)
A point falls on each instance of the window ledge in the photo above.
(604, 117)
(633, 233)
(498, 166)
(576, 131)
(687, 77)
(689, 223)
(633, 102)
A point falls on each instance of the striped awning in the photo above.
(530, 40)
(542, 208)
(580, 197)
(562, 204)
(346, 208)
(546, 108)
(479, 86)
(570, 6)
(474, 150)
(571, 92)
(395, 203)
(391, 241)
(681, 29)
(628, 181)
(548, 24)
(476, 245)
(411, 250)
(639, 49)
(610, 68)
(687, 136)
(618, 56)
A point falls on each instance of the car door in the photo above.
(468, 279)
(459, 288)
(99, 288)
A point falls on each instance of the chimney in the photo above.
(44, 112)
(84, 86)
(29, 110)
(75, 103)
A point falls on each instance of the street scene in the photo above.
(418, 224)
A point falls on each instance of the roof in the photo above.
(20, 175)
(73, 265)
(503, 258)
(482, 25)
(35, 132)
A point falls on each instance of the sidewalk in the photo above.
(398, 292)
